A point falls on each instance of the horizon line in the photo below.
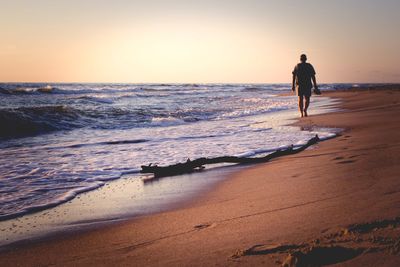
(77, 82)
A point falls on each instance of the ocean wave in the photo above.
(35, 120)
(28, 121)
(24, 121)
(64, 196)
(114, 142)
(135, 89)
(166, 121)
(52, 194)
(83, 89)
(252, 89)
(27, 90)
(62, 89)
(96, 99)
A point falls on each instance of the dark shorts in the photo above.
(301, 91)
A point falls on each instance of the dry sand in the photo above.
(336, 203)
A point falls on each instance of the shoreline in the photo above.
(225, 225)
(130, 197)
(77, 224)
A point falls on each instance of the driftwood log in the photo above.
(198, 164)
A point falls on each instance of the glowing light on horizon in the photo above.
(181, 41)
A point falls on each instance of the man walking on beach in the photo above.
(303, 74)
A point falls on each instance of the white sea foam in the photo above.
(166, 121)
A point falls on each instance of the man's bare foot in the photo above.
(305, 113)
(302, 115)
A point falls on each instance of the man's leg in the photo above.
(301, 105)
(306, 106)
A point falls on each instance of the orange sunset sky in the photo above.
(205, 41)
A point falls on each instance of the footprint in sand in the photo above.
(338, 158)
(331, 248)
(204, 225)
(346, 161)
(345, 138)
(349, 159)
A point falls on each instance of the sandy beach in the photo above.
(336, 203)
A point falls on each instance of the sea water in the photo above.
(59, 140)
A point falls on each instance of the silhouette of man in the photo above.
(303, 74)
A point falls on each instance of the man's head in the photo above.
(303, 58)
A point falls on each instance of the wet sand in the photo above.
(336, 203)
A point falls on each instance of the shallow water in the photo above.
(64, 139)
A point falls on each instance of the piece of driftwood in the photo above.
(198, 164)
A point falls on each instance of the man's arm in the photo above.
(314, 82)
(293, 82)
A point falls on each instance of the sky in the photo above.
(208, 41)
